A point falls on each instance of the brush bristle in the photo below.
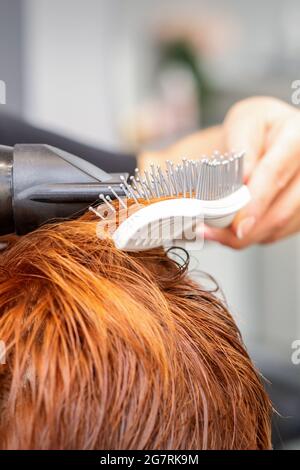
(207, 179)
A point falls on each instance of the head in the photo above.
(112, 350)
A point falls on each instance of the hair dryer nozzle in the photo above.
(39, 183)
(6, 193)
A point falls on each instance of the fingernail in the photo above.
(244, 227)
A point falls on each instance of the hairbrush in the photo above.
(172, 202)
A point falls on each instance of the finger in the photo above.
(290, 229)
(225, 236)
(283, 219)
(272, 174)
(248, 123)
(241, 125)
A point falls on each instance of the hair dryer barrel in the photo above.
(39, 183)
(6, 190)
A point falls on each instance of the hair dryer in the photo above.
(40, 183)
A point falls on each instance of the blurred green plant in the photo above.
(181, 52)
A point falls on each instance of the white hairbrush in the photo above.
(172, 203)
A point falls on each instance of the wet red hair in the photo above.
(110, 350)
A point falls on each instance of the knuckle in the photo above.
(261, 102)
(271, 239)
(237, 108)
(238, 245)
(279, 175)
(266, 241)
(281, 220)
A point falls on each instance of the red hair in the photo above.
(110, 350)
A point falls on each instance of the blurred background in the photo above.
(132, 74)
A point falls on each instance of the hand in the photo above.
(193, 147)
(269, 132)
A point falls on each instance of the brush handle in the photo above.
(161, 222)
(220, 222)
(221, 212)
